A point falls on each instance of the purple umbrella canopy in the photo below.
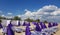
(41, 23)
(28, 24)
(1, 25)
(43, 26)
(34, 23)
(49, 24)
(38, 28)
(18, 23)
(27, 32)
(25, 24)
(9, 30)
(55, 24)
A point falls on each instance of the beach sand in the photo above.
(58, 32)
(23, 33)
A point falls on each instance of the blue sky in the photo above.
(44, 9)
(18, 6)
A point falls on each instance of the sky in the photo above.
(42, 9)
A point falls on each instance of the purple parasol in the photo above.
(1, 25)
(43, 26)
(18, 23)
(9, 30)
(49, 25)
(38, 28)
(55, 24)
(34, 23)
(24, 24)
(27, 32)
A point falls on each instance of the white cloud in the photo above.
(9, 13)
(28, 13)
(3, 15)
(48, 8)
(43, 13)
(54, 18)
(19, 15)
(57, 12)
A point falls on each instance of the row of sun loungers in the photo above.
(10, 27)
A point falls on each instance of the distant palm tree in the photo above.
(29, 20)
(17, 18)
(37, 20)
(0, 20)
(2, 17)
(45, 21)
